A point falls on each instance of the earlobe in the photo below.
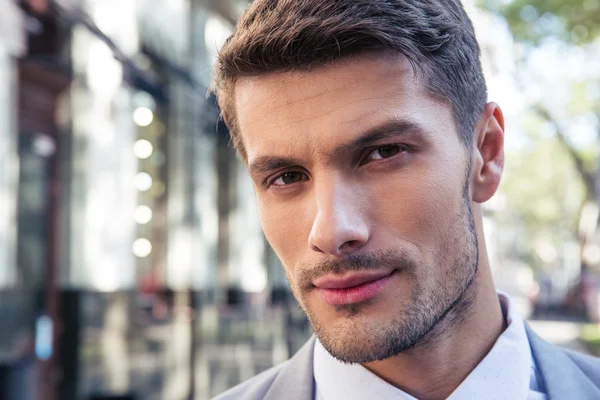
(488, 161)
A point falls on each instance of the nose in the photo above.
(339, 227)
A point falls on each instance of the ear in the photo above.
(488, 154)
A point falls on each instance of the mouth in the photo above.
(352, 288)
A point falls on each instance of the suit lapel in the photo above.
(296, 380)
(563, 379)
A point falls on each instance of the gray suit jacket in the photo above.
(567, 375)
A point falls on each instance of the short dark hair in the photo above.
(436, 36)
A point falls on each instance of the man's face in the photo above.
(363, 188)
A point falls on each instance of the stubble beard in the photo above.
(431, 312)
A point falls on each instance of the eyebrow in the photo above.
(389, 129)
(264, 164)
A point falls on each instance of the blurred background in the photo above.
(132, 261)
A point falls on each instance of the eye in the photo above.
(288, 178)
(383, 152)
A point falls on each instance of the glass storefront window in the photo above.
(8, 170)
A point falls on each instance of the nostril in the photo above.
(351, 245)
(316, 248)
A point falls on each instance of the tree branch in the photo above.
(589, 180)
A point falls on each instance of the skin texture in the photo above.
(357, 167)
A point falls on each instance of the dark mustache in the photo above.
(392, 259)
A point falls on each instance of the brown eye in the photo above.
(388, 151)
(288, 178)
(383, 152)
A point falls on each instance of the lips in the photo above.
(352, 288)
(349, 281)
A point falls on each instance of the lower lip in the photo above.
(356, 294)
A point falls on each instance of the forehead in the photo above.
(308, 111)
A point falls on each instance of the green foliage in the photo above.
(542, 187)
(581, 99)
(573, 21)
(547, 181)
(543, 190)
(590, 335)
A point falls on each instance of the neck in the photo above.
(436, 367)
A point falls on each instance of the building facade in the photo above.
(133, 259)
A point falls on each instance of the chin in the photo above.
(356, 337)
(355, 344)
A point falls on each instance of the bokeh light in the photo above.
(143, 116)
(143, 149)
(142, 247)
(143, 214)
(143, 181)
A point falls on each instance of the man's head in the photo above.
(367, 136)
(435, 36)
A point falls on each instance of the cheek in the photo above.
(418, 207)
(285, 227)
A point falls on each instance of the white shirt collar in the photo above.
(508, 371)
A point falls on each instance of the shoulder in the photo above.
(292, 376)
(255, 388)
(589, 365)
